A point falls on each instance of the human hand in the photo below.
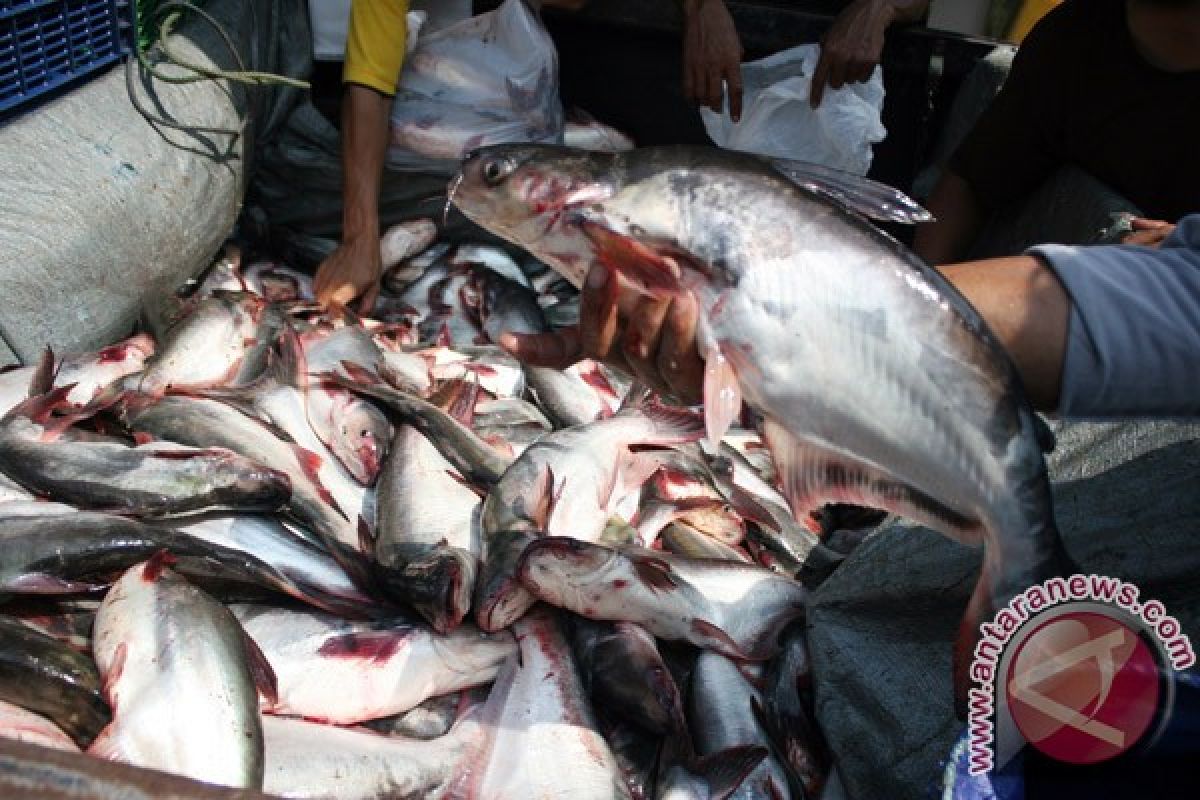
(655, 341)
(1148, 232)
(852, 46)
(712, 55)
(350, 272)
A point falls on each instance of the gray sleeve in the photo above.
(1133, 341)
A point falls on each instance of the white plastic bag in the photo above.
(777, 120)
(488, 79)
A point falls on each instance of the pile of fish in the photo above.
(264, 545)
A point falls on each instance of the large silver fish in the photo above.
(338, 671)
(734, 608)
(721, 712)
(180, 675)
(565, 484)
(204, 422)
(543, 740)
(150, 479)
(427, 531)
(878, 384)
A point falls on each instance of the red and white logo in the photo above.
(1083, 687)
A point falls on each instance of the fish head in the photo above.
(361, 438)
(526, 193)
(553, 566)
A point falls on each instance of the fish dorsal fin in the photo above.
(291, 366)
(42, 380)
(870, 198)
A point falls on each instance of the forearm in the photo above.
(1028, 309)
(364, 148)
(909, 10)
(957, 217)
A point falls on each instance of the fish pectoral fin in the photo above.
(645, 266)
(261, 671)
(725, 770)
(812, 475)
(722, 395)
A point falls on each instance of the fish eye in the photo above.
(497, 169)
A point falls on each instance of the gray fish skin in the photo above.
(339, 671)
(721, 713)
(624, 672)
(202, 422)
(52, 550)
(540, 721)
(45, 676)
(565, 484)
(405, 240)
(153, 479)
(431, 719)
(570, 397)
(684, 540)
(732, 608)
(25, 726)
(427, 531)
(207, 347)
(355, 431)
(265, 538)
(878, 383)
(177, 671)
(310, 760)
(474, 458)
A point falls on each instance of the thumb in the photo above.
(558, 350)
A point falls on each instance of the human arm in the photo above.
(712, 55)
(853, 45)
(374, 56)
(1020, 298)
(956, 220)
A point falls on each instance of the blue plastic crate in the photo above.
(48, 44)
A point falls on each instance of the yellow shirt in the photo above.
(375, 44)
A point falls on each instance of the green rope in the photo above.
(203, 73)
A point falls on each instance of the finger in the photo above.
(679, 363)
(643, 331)
(367, 304)
(837, 73)
(860, 72)
(557, 350)
(733, 80)
(598, 312)
(819, 79)
(342, 294)
(1143, 224)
